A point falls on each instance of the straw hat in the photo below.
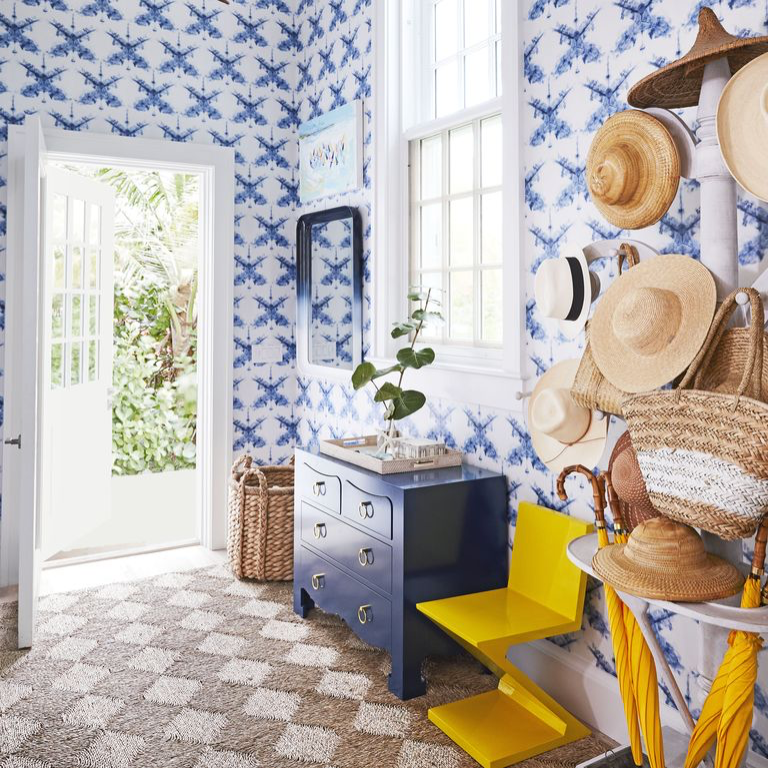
(742, 127)
(665, 560)
(652, 321)
(633, 169)
(627, 481)
(679, 84)
(565, 290)
(563, 432)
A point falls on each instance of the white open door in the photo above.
(78, 243)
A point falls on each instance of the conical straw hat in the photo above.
(679, 84)
(666, 560)
(633, 170)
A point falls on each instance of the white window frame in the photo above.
(492, 376)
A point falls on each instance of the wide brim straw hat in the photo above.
(742, 126)
(666, 560)
(633, 169)
(679, 84)
(651, 322)
(629, 485)
(563, 432)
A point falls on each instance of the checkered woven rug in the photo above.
(198, 670)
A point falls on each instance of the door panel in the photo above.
(79, 245)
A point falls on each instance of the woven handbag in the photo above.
(703, 454)
(260, 535)
(590, 389)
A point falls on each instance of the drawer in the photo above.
(368, 509)
(366, 612)
(366, 557)
(324, 489)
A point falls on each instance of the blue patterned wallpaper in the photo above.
(245, 75)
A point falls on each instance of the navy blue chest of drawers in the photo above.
(369, 547)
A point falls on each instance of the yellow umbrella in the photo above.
(615, 615)
(727, 712)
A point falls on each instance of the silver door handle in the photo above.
(318, 580)
(365, 509)
(320, 531)
(365, 556)
(13, 441)
(365, 614)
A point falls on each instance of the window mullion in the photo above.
(445, 278)
(476, 232)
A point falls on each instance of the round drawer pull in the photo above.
(365, 614)
(318, 580)
(365, 556)
(318, 488)
(365, 509)
(320, 531)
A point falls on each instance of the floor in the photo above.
(66, 578)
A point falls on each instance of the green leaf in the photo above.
(387, 391)
(363, 374)
(417, 295)
(402, 329)
(422, 316)
(408, 403)
(385, 371)
(415, 358)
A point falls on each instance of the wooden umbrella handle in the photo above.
(597, 490)
(761, 540)
(613, 503)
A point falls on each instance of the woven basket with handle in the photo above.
(703, 454)
(590, 389)
(260, 535)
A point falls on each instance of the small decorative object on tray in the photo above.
(366, 452)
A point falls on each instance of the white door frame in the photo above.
(215, 308)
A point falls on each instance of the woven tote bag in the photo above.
(260, 532)
(590, 389)
(704, 455)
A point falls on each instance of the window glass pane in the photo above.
(426, 281)
(477, 22)
(498, 69)
(92, 360)
(94, 226)
(431, 167)
(59, 267)
(490, 211)
(78, 220)
(59, 217)
(477, 74)
(57, 365)
(76, 253)
(76, 328)
(431, 236)
(462, 232)
(462, 159)
(498, 16)
(74, 363)
(93, 267)
(490, 149)
(446, 29)
(447, 88)
(491, 310)
(93, 315)
(461, 306)
(57, 316)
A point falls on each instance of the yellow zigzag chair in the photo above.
(544, 597)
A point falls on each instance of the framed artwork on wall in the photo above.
(331, 153)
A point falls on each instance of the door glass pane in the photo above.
(490, 150)
(462, 232)
(59, 267)
(77, 266)
(477, 76)
(94, 225)
(92, 360)
(431, 167)
(491, 311)
(477, 22)
(76, 328)
(446, 29)
(78, 220)
(57, 316)
(93, 315)
(461, 306)
(57, 365)
(93, 267)
(59, 217)
(447, 88)
(74, 363)
(431, 236)
(462, 159)
(490, 211)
